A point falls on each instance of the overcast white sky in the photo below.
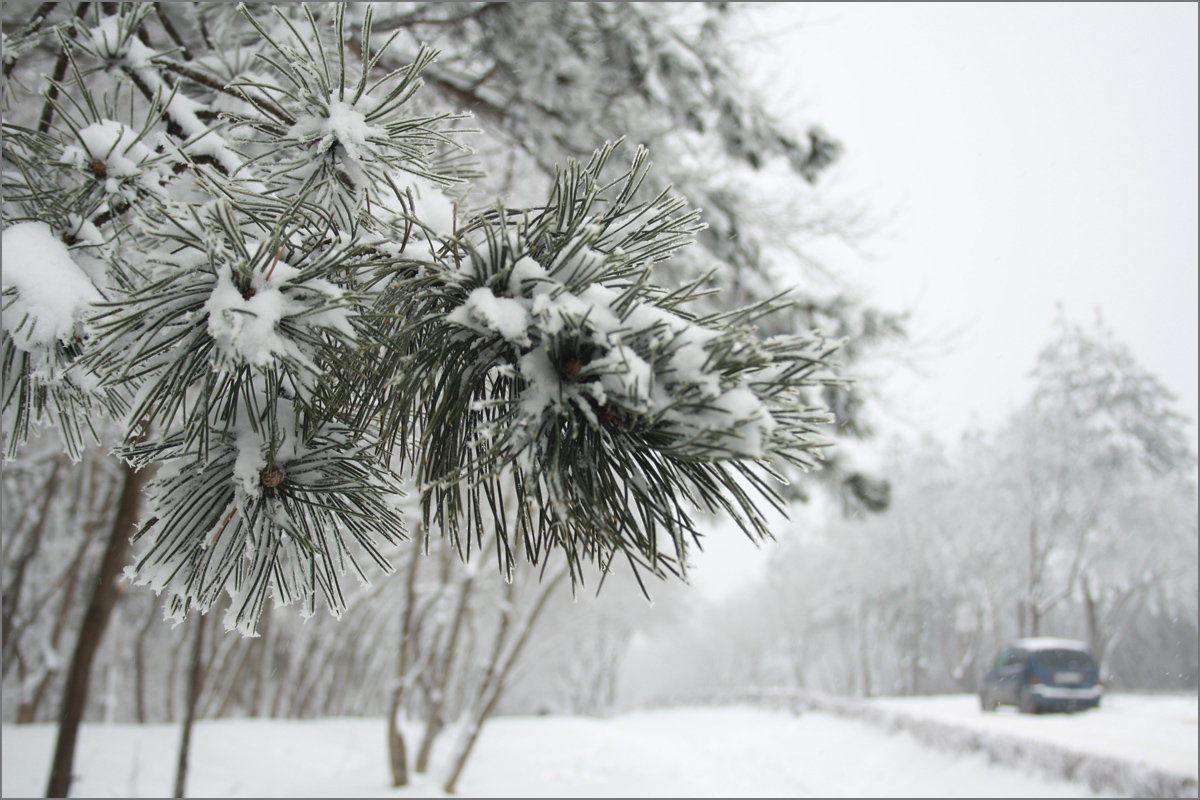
(1030, 154)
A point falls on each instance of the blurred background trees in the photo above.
(1076, 517)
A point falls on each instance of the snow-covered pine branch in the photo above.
(615, 411)
(244, 256)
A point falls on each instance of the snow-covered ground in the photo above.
(685, 752)
(1156, 730)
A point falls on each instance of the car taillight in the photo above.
(1035, 679)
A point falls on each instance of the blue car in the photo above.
(1043, 674)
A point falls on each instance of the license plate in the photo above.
(1068, 677)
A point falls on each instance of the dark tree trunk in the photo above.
(194, 684)
(397, 749)
(91, 632)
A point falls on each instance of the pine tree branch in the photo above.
(60, 71)
(168, 26)
(207, 81)
(32, 27)
(417, 17)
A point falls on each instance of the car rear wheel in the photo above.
(987, 702)
(1026, 702)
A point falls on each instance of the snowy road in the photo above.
(1156, 730)
(683, 752)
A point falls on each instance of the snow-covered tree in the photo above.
(244, 237)
(253, 267)
(1099, 471)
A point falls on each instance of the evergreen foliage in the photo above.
(273, 289)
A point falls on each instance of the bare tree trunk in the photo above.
(227, 662)
(616, 645)
(308, 670)
(194, 685)
(139, 664)
(172, 674)
(1105, 628)
(91, 632)
(33, 542)
(436, 716)
(1030, 615)
(28, 710)
(1093, 622)
(70, 582)
(224, 700)
(397, 749)
(498, 673)
(320, 667)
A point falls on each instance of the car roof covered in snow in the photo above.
(1049, 643)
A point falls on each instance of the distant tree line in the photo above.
(1077, 517)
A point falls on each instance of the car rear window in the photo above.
(1064, 659)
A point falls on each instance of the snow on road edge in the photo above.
(1100, 773)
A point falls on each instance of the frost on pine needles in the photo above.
(247, 261)
(610, 408)
(266, 509)
(47, 297)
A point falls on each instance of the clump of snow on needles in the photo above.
(52, 292)
(344, 125)
(113, 43)
(645, 359)
(245, 326)
(116, 145)
(484, 312)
